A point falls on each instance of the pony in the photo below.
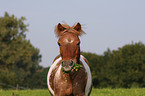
(69, 75)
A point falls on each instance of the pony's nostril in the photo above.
(62, 63)
(71, 63)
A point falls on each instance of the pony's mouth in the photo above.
(67, 66)
(74, 67)
(67, 69)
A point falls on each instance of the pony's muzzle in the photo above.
(67, 65)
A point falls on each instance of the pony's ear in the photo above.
(77, 27)
(59, 29)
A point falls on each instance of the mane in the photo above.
(69, 29)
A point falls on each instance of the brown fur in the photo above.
(73, 83)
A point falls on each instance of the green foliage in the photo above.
(76, 67)
(38, 80)
(18, 57)
(124, 67)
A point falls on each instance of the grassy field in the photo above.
(95, 92)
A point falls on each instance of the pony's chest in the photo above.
(62, 82)
(67, 83)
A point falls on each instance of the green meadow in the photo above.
(95, 92)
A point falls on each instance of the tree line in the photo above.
(122, 68)
(19, 61)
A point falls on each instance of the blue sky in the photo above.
(108, 23)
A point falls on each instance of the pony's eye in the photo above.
(59, 44)
(78, 43)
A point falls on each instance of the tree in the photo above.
(124, 67)
(18, 57)
(40, 78)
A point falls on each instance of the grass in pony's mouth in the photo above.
(75, 68)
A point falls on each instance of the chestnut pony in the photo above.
(69, 75)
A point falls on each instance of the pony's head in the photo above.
(69, 44)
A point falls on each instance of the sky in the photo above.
(107, 23)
